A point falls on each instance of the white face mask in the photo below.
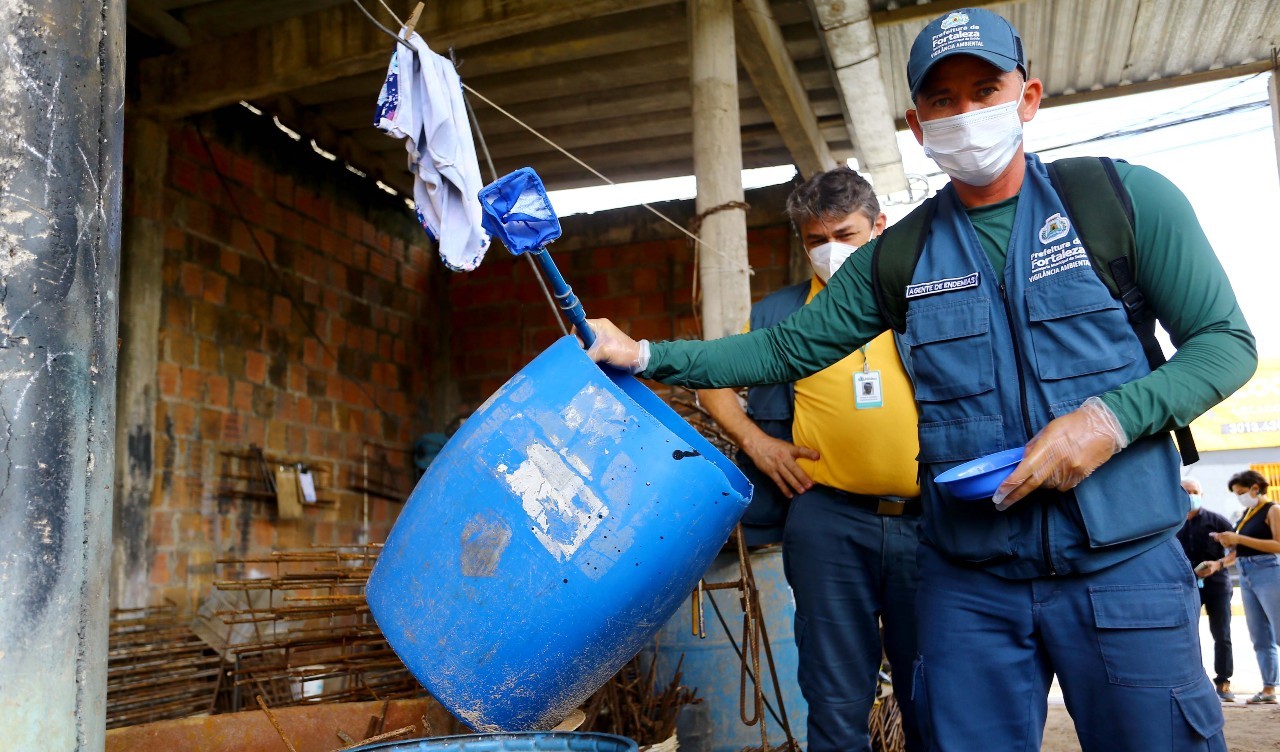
(1246, 500)
(1195, 501)
(975, 147)
(828, 257)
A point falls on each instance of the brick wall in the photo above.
(302, 312)
(297, 316)
(623, 266)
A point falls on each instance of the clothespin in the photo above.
(413, 20)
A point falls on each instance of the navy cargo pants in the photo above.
(1124, 643)
(849, 568)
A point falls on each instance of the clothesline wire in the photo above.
(476, 124)
(493, 175)
(594, 171)
(399, 23)
(556, 146)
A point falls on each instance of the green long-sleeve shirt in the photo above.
(1176, 269)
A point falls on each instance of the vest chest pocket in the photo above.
(950, 350)
(1077, 328)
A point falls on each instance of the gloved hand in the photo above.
(614, 347)
(1065, 452)
(777, 459)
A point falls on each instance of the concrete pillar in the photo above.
(717, 165)
(1273, 92)
(137, 390)
(61, 102)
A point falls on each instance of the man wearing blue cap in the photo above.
(1072, 568)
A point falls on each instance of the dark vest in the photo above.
(994, 358)
(1256, 527)
(771, 407)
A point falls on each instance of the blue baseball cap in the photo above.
(968, 31)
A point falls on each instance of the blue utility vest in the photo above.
(994, 358)
(772, 407)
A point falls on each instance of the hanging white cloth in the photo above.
(421, 102)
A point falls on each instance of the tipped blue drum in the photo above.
(554, 534)
(979, 479)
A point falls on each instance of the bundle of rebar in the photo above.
(157, 668)
(304, 634)
(632, 705)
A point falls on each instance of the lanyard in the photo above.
(1249, 515)
(866, 362)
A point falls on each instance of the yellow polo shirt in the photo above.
(871, 451)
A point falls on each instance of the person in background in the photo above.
(841, 445)
(1215, 589)
(1254, 546)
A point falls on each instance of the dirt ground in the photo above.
(1249, 729)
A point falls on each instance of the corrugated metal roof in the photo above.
(1108, 46)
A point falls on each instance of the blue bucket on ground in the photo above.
(712, 666)
(542, 741)
(552, 536)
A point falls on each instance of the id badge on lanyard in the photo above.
(867, 394)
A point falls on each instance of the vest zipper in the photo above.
(1026, 421)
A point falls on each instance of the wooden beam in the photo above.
(1273, 93)
(150, 19)
(667, 62)
(763, 53)
(333, 43)
(853, 48)
(585, 41)
(618, 130)
(931, 10)
(389, 167)
(212, 20)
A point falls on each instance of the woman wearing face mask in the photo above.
(1254, 546)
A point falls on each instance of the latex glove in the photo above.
(777, 459)
(1226, 538)
(1064, 453)
(615, 348)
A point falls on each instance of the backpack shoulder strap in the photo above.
(1104, 221)
(894, 262)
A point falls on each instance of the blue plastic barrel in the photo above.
(542, 741)
(712, 666)
(555, 533)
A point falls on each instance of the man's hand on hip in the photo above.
(777, 459)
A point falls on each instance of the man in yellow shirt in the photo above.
(841, 445)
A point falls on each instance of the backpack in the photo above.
(1107, 234)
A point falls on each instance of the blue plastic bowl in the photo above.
(548, 741)
(979, 479)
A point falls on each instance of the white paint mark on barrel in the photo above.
(563, 510)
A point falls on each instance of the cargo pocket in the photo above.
(1077, 328)
(1197, 717)
(950, 353)
(974, 530)
(1145, 635)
